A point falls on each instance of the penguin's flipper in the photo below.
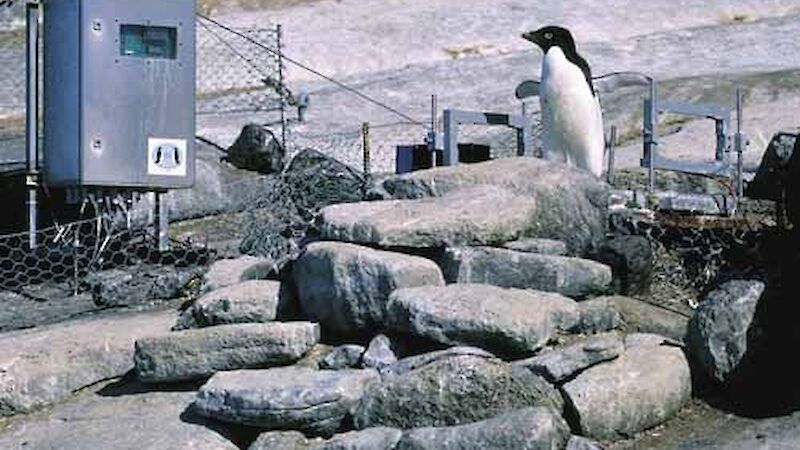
(618, 80)
(527, 89)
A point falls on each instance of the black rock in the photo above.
(631, 261)
(257, 149)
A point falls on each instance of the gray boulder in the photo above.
(247, 302)
(379, 438)
(343, 357)
(196, 354)
(541, 246)
(482, 215)
(722, 328)
(641, 317)
(257, 149)
(599, 315)
(559, 364)
(147, 420)
(227, 272)
(45, 365)
(569, 204)
(140, 285)
(502, 321)
(452, 391)
(289, 398)
(345, 287)
(410, 363)
(525, 429)
(573, 277)
(283, 440)
(379, 353)
(581, 443)
(642, 388)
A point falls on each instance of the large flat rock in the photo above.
(144, 421)
(250, 301)
(378, 438)
(452, 391)
(642, 388)
(290, 398)
(573, 277)
(45, 365)
(482, 215)
(640, 317)
(345, 287)
(568, 204)
(525, 429)
(196, 354)
(227, 272)
(502, 321)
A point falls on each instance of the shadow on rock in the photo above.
(240, 435)
(129, 385)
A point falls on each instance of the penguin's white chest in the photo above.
(571, 117)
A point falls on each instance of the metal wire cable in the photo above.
(305, 67)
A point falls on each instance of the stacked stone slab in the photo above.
(346, 287)
(247, 302)
(196, 354)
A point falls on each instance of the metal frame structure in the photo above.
(454, 117)
(32, 116)
(652, 160)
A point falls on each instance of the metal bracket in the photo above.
(453, 118)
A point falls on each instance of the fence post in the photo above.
(281, 81)
(612, 143)
(32, 117)
(365, 146)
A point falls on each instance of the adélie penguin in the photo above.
(572, 121)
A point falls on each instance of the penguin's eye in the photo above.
(548, 36)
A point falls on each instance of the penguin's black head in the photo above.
(551, 36)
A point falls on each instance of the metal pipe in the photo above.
(651, 135)
(740, 142)
(367, 151)
(32, 118)
(432, 137)
(612, 142)
(162, 222)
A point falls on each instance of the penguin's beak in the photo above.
(532, 36)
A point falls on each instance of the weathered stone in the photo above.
(641, 317)
(573, 277)
(247, 302)
(228, 272)
(257, 149)
(525, 429)
(312, 401)
(345, 287)
(722, 327)
(581, 443)
(379, 354)
(343, 357)
(541, 246)
(569, 204)
(147, 420)
(642, 388)
(598, 315)
(631, 261)
(452, 391)
(140, 285)
(559, 364)
(406, 365)
(196, 354)
(379, 438)
(482, 215)
(502, 321)
(45, 365)
(283, 440)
